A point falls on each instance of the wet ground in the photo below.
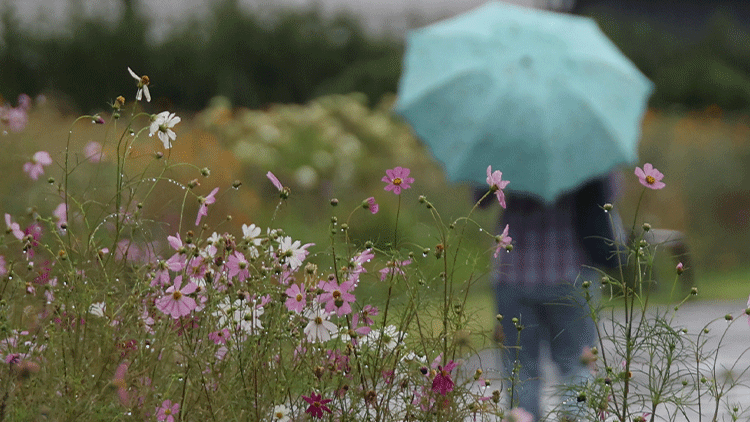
(729, 366)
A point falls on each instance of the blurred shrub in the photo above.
(705, 156)
(291, 56)
(711, 65)
(332, 146)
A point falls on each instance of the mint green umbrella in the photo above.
(544, 97)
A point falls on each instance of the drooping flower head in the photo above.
(397, 179)
(503, 240)
(649, 176)
(370, 204)
(205, 202)
(497, 184)
(283, 190)
(143, 82)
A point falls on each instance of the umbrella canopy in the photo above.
(544, 97)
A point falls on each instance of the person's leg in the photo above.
(571, 330)
(521, 352)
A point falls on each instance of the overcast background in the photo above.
(381, 16)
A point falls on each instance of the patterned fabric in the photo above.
(545, 245)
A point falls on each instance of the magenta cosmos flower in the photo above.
(397, 179)
(317, 405)
(167, 410)
(177, 303)
(497, 184)
(205, 202)
(649, 176)
(442, 383)
(35, 167)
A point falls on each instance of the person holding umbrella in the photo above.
(550, 101)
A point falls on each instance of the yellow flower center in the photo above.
(336, 294)
(144, 81)
(279, 415)
(168, 412)
(650, 180)
(318, 320)
(177, 295)
(397, 181)
(299, 297)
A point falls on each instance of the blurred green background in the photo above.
(309, 97)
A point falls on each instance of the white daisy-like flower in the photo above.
(246, 314)
(98, 309)
(162, 125)
(319, 328)
(292, 252)
(143, 82)
(280, 413)
(390, 337)
(250, 235)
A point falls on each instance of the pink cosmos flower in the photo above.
(61, 215)
(35, 167)
(370, 204)
(14, 228)
(337, 297)
(219, 337)
(167, 410)
(364, 316)
(397, 179)
(442, 383)
(649, 176)
(3, 268)
(93, 152)
(503, 241)
(237, 265)
(176, 303)
(275, 181)
(393, 267)
(205, 202)
(16, 118)
(519, 415)
(296, 300)
(24, 102)
(119, 382)
(317, 405)
(497, 184)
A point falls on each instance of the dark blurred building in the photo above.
(680, 15)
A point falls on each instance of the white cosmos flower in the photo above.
(162, 125)
(98, 309)
(143, 82)
(319, 328)
(280, 413)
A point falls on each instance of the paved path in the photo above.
(730, 362)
